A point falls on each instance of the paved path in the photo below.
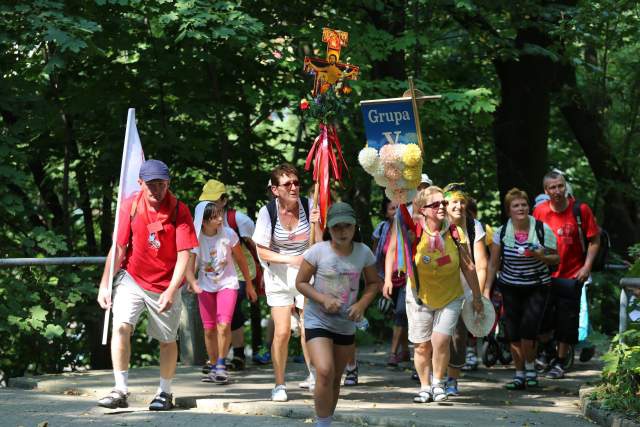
(383, 398)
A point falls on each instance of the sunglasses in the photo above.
(288, 185)
(436, 205)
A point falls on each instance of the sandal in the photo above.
(423, 396)
(161, 402)
(221, 375)
(517, 383)
(439, 393)
(115, 399)
(531, 379)
(351, 377)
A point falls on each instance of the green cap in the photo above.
(340, 213)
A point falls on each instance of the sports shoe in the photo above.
(263, 357)
(308, 383)
(471, 360)
(415, 376)
(161, 402)
(221, 376)
(236, 364)
(207, 367)
(556, 372)
(351, 377)
(394, 359)
(279, 393)
(115, 399)
(451, 387)
(438, 392)
(587, 353)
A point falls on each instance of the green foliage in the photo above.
(621, 375)
(215, 85)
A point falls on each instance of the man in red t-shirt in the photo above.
(577, 249)
(155, 236)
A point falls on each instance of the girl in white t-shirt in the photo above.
(217, 283)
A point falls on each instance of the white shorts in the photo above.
(423, 320)
(130, 300)
(280, 286)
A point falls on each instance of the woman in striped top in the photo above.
(282, 235)
(523, 250)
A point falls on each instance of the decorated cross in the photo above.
(330, 71)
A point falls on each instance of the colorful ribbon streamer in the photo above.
(327, 158)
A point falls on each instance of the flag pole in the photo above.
(131, 117)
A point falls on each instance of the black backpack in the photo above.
(273, 211)
(600, 259)
(539, 232)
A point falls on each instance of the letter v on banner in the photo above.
(132, 158)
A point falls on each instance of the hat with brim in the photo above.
(340, 213)
(479, 326)
(212, 191)
(154, 169)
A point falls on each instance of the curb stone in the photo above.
(604, 417)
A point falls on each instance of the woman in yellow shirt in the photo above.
(433, 309)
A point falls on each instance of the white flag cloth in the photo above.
(132, 159)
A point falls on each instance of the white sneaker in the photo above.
(279, 393)
(309, 382)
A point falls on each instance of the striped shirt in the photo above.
(286, 242)
(520, 270)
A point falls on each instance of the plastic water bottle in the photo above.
(362, 324)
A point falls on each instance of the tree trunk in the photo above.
(521, 122)
(620, 218)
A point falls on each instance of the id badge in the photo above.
(444, 260)
(155, 227)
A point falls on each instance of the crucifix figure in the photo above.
(330, 71)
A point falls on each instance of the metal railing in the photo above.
(13, 262)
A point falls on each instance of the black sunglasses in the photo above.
(288, 185)
(436, 205)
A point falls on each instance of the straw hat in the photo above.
(478, 326)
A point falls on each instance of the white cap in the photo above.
(425, 179)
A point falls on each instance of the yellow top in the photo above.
(439, 280)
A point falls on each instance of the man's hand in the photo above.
(583, 274)
(104, 297)
(355, 312)
(331, 304)
(251, 293)
(166, 300)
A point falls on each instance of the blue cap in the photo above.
(154, 169)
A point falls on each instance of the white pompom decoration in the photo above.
(368, 159)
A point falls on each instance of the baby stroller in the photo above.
(495, 347)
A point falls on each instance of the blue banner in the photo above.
(389, 121)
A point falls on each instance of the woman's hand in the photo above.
(478, 307)
(355, 312)
(331, 304)
(314, 215)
